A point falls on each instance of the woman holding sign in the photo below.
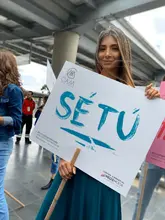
(83, 197)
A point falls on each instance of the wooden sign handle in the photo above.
(142, 191)
(12, 197)
(61, 187)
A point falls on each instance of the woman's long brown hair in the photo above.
(8, 70)
(125, 68)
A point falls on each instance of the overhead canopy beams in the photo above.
(30, 24)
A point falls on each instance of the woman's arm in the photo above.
(34, 105)
(6, 120)
(15, 107)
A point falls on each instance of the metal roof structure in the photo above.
(27, 26)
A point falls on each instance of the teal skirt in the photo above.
(83, 198)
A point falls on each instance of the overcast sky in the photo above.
(33, 76)
(151, 25)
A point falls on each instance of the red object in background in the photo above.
(28, 106)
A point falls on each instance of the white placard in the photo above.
(50, 77)
(113, 124)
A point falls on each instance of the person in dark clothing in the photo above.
(27, 117)
(55, 159)
(39, 110)
(53, 171)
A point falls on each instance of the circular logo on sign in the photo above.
(71, 73)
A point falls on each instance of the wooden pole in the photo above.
(142, 191)
(11, 196)
(61, 187)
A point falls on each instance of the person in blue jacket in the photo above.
(11, 100)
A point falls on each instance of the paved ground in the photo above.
(28, 170)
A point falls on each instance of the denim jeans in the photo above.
(153, 177)
(5, 152)
(54, 165)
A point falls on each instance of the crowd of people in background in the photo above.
(88, 198)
